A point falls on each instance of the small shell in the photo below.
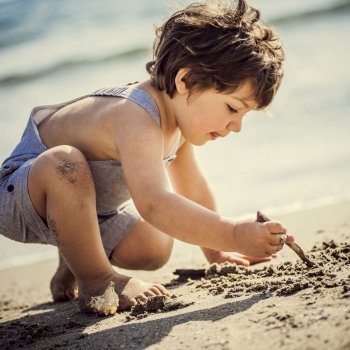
(107, 303)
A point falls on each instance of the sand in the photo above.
(281, 304)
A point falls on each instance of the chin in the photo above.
(196, 140)
(199, 142)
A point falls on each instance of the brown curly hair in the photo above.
(223, 45)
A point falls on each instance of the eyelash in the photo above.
(232, 110)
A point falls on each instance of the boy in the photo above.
(70, 179)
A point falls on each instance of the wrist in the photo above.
(230, 233)
(234, 236)
(210, 254)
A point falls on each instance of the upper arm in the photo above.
(140, 145)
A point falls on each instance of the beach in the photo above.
(305, 309)
(295, 167)
(296, 160)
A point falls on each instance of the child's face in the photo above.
(209, 114)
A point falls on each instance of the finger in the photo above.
(272, 249)
(254, 260)
(278, 248)
(290, 238)
(238, 261)
(276, 239)
(275, 227)
(260, 260)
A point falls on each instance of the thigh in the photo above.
(142, 244)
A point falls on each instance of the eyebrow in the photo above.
(242, 101)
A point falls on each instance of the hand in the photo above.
(260, 240)
(236, 258)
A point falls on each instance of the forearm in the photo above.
(206, 199)
(189, 222)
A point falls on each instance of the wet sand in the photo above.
(280, 304)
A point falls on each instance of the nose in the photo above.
(235, 125)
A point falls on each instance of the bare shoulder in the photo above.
(133, 122)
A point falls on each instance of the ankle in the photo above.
(96, 281)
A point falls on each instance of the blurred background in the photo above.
(52, 51)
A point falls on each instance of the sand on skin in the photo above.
(279, 304)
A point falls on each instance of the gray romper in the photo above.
(116, 212)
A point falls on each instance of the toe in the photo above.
(155, 290)
(163, 290)
(126, 304)
(58, 294)
(71, 294)
(61, 293)
(142, 297)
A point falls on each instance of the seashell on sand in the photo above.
(107, 303)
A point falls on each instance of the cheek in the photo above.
(200, 124)
(203, 117)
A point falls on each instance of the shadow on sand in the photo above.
(61, 325)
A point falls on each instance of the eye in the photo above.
(231, 109)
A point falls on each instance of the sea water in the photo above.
(52, 51)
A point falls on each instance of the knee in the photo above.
(156, 261)
(159, 255)
(66, 164)
(150, 258)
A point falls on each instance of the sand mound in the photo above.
(331, 270)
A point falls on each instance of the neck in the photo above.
(164, 104)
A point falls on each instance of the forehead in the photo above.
(244, 93)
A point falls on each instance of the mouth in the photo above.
(214, 135)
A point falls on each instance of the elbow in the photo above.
(149, 206)
(146, 211)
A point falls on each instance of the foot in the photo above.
(63, 284)
(129, 291)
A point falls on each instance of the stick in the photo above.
(260, 217)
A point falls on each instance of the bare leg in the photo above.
(143, 248)
(62, 191)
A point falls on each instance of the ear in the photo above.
(180, 81)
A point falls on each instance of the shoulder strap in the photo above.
(139, 96)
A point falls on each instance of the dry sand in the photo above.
(281, 304)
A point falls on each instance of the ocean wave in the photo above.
(17, 78)
(14, 76)
(27, 259)
(307, 14)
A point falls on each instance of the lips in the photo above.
(214, 135)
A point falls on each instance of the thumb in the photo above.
(290, 238)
